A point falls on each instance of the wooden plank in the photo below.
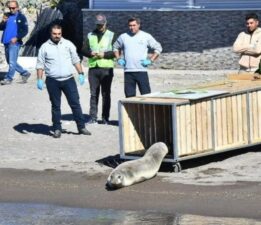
(151, 125)
(254, 112)
(245, 118)
(209, 125)
(204, 125)
(234, 119)
(188, 128)
(132, 132)
(224, 121)
(170, 128)
(218, 123)
(146, 125)
(199, 127)
(240, 120)
(159, 120)
(193, 128)
(250, 117)
(183, 129)
(126, 127)
(242, 76)
(229, 120)
(178, 127)
(139, 128)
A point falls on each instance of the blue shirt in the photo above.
(11, 29)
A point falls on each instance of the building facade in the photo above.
(200, 39)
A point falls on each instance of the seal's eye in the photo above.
(119, 176)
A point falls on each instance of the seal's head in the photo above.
(115, 180)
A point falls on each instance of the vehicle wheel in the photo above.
(176, 167)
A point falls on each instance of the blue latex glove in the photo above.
(121, 62)
(40, 84)
(81, 79)
(146, 62)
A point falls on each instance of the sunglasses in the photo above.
(12, 7)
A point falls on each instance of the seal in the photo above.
(138, 170)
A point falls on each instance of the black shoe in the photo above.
(105, 121)
(84, 131)
(92, 121)
(26, 77)
(57, 134)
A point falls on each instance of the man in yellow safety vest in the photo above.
(98, 48)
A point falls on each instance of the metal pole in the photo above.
(90, 4)
(191, 3)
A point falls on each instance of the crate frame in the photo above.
(251, 95)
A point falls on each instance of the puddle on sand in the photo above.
(43, 214)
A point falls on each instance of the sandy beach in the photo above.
(72, 170)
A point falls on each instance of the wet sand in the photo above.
(82, 190)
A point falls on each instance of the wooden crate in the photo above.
(192, 128)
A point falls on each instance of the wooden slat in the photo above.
(188, 128)
(218, 123)
(245, 118)
(139, 129)
(159, 123)
(126, 128)
(204, 125)
(229, 120)
(132, 132)
(183, 129)
(193, 128)
(199, 127)
(178, 127)
(209, 124)
(234, 119)
(240, 120)
(242, 76)
(224, 121)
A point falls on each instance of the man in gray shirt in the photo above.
(131, 51)
(56, 57)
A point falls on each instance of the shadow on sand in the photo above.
(25, 128)
(114, 161)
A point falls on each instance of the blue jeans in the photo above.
(69, 88)
(11, 55)
(131, 79)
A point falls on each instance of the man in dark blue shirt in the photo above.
(15, 27)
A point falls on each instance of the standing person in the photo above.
(15, 28)
(248, 45)
(134, 45)
(56, 57)
(98, 48)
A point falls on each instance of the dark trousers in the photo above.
(69, 88)
(133, 78)
(100, 78)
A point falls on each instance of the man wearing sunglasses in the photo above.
(15, 28)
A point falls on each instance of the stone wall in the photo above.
(197, 40)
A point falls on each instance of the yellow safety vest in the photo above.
(104, 45)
